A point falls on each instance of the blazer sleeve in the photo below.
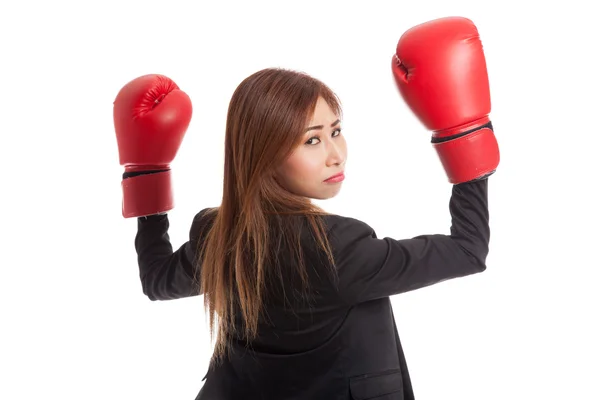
(371, 268)
(166, 274)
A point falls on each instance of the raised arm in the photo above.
(166, 274)
(370, 267)
(441, 73)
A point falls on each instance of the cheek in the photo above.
(303, 167)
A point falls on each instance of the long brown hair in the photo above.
(266, 120)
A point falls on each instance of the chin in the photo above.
(325, 196)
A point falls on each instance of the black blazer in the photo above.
(343, 342)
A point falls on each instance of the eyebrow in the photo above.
(337, 121)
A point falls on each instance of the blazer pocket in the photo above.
(382, 386)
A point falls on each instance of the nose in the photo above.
(336, 155)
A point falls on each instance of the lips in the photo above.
(335, 176)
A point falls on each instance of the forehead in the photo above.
(323, 113)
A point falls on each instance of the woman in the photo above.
(300, 297)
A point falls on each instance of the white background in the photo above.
(74, 321)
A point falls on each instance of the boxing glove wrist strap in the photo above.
(462, 130)
(147, 193)
(131, 174)
(468, 155)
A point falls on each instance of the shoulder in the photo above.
(344, 229)
(352, 240)
(202, 222)
(206, 214)
(357, 251)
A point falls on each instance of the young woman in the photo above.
(300, 298)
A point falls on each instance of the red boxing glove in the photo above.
(151, 115)
(441, 73)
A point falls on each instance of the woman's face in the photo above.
(321, 155)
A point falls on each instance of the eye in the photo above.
(338, 131)
(311, 139)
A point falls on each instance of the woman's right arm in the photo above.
(166, 274)
(370, 268)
